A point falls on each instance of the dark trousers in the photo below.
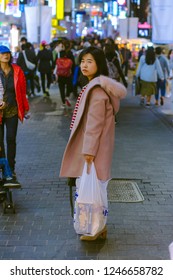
(11, 125)
(124, 67)
(45, 76)
(65, 87)
(30, 81)
(161, 86)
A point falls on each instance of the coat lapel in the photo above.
(81, 108)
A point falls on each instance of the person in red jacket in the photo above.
(15, 106)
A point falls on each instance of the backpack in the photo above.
(64, 65)
(112, 70)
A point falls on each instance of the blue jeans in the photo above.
(11, 133)
(161, 85)
(6, 168)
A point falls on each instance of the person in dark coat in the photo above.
(141, 52)
(29, 74)
(45, 67)
(126, 54)
(70, 55)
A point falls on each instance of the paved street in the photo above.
(42, 227)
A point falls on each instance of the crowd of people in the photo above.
(50, 57)
(57, 62)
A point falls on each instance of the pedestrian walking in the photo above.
(63, 72)
(70, 55)
(15, 106)
(141, 52)
(161, 84)
(113, 64)
(126, 55)
(93, 123)
(169, 82)
(114, 68)
(148, 71)
(45, 67)
(4, 165)
(29, 74)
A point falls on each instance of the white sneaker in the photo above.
(63, 106)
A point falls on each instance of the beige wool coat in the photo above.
(94, 128)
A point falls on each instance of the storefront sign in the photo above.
(162, 21)
(60, 9)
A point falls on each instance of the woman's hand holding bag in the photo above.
(89, 159)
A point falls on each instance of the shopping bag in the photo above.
(168, 87)
(90, 211)
(136, 86)
(170, 247)
(29, 64)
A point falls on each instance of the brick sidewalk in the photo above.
(42, 227)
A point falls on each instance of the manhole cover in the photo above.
(124, 191)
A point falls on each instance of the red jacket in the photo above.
(20, 90)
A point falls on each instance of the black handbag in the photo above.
(138, 86)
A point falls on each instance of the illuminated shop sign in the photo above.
(121, 2)
(60, 9)
(114, 8)
(2, 6)
(143, 33)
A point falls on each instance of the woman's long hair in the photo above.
(169, 53)
(150, 56)
(109, 51)
(99, 58)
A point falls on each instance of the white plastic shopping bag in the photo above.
(90, 211)
(168, 88)
(171, 251)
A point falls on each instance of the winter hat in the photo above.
(43, 43)
(4, 49)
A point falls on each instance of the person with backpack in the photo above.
(63, 72)
(126, 55)
(114, 68)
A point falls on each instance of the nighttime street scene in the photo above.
(86, 136)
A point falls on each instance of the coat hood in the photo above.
(115, 90)
(112, 88)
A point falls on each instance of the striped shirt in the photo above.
(1, 99)
(1, 90)
(76, 107)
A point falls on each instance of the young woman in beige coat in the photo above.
(93, 122)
